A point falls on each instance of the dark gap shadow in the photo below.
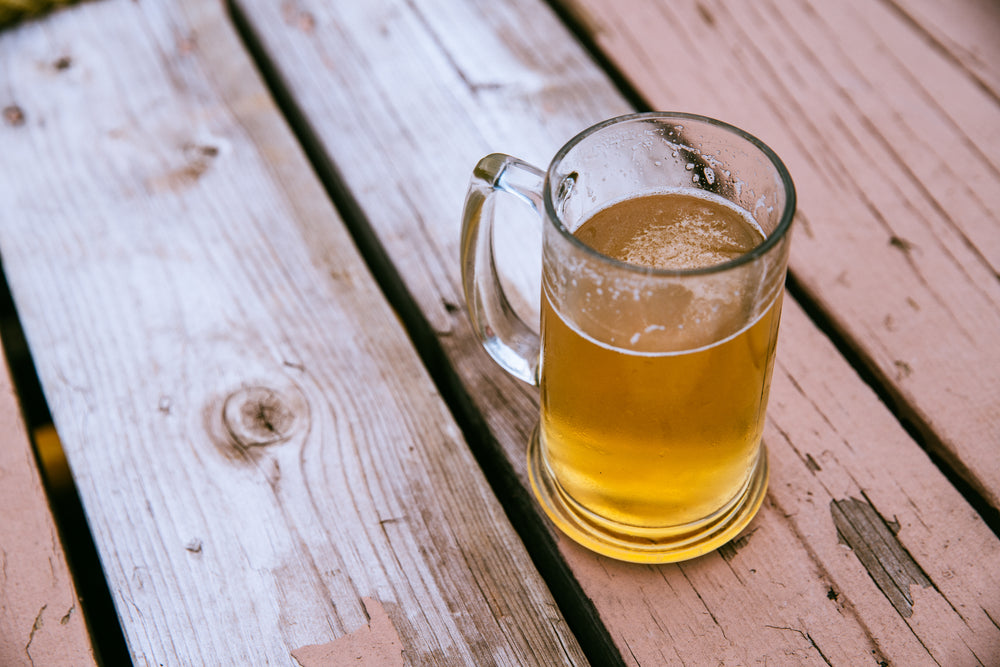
(96, 599)
(575, 606)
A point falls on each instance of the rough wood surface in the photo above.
(265, 465)
(41, 622)
(405, 96)
(888, 117)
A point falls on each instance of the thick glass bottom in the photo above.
(641, 544)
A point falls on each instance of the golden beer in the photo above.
(648, 442)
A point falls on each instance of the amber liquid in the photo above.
(659, 440)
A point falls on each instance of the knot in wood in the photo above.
(259, 416)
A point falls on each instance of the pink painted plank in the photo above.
(41, 622)
(965, 31)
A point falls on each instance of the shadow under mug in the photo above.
(654, 382)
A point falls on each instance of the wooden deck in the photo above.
(231, 236)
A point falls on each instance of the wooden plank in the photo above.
(387, 85)
(895, 149)
(269, 473)
(966, 32)
(41, 621)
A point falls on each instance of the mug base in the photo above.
(642, 545)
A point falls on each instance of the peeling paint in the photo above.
(873, 540)
(375, 645)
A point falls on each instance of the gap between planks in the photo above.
(575, 606)
(66, 507)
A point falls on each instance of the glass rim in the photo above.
(775, 237)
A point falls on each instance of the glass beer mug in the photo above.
(664, 249)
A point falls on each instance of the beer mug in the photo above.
(664, 247)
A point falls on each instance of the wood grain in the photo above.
(41, 621)
(966, 32)
(261, 456)
(893, 139)
(405, 96)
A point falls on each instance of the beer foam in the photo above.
(686, 243)
(676, 229)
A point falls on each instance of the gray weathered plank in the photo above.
(265, 465)
(894, 144)
(405, 96)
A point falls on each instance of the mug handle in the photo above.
(512, 343)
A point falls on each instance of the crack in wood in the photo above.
(66, 617)
(729, 549)
(806, 636)
(31, 637)
(873, 540)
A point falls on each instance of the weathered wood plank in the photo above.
(41, 621)
(391, 84)
(966, 32)
(895, 150)
(267, 468)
